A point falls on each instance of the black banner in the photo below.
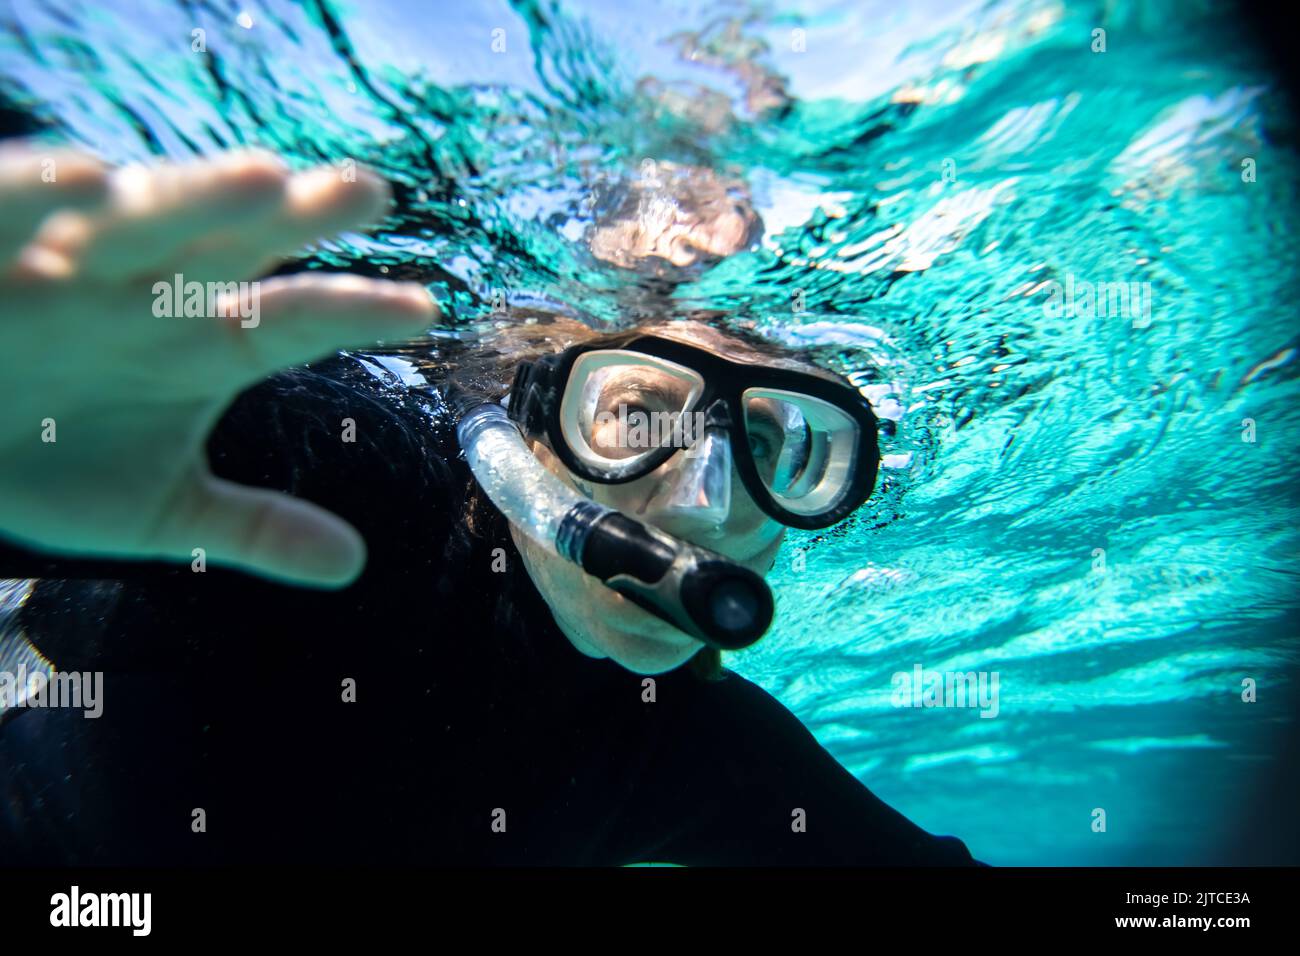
(1226, 905)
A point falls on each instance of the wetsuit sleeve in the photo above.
(225, 690)
(747, 784)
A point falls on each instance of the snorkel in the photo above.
(700, 592)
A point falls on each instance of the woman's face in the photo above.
(599, 621)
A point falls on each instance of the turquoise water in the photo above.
(1098, 508)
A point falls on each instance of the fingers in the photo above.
(265, 532)
(289, 320)
(317, 204)
(323, 202)
(155, 211)
(226, 218)
(34, 184)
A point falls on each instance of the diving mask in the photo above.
(803, 445)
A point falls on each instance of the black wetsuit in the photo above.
(223, 692)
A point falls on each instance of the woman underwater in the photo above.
(322, 639)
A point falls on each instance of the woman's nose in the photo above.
(697, 487)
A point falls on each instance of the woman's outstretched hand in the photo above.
(125, 332)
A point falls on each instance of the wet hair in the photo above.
(486, 363)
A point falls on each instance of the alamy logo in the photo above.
(77, 690)
(1086, 300)
(213, 300)
(102, 909)
(925, 688)
(641, 430)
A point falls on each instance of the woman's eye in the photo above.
(760, 447)
(623, 409)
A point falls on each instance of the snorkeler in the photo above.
(508, 648)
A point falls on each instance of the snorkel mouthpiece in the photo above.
(698, 591)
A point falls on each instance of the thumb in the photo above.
(266, 532)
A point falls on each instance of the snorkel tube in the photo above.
(698, 591)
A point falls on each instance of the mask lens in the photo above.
(620, 407)
(805, 449)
